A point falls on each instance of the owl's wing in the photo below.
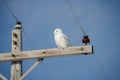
(67, 41)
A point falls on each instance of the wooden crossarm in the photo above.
(46, 53)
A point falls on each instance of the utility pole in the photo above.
(16, 66)
(17, 55)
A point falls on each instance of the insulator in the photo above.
(18, 25)
(86, 39)
(18, 22)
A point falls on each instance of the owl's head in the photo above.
(57, 31)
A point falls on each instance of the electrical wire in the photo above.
(47, 71)
(28, 39)
(98, 62)
(14, 16)
(76, 21)
(50, 77)
(73, 12)
(100, 66)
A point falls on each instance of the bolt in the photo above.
(81, 48)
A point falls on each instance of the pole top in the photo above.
(18, 25)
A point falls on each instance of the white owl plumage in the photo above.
(61, 39)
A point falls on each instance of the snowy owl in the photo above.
(61, 39)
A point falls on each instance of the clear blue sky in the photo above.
(99, 18)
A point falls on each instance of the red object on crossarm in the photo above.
(85, 39)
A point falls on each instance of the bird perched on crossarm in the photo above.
(61, 39)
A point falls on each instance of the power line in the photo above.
(14, 16)
(81, 28)
(100, 66)
(31, 50)
(28, 39)
(47, 71)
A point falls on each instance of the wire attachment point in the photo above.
(85, 39)
(18, 25)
